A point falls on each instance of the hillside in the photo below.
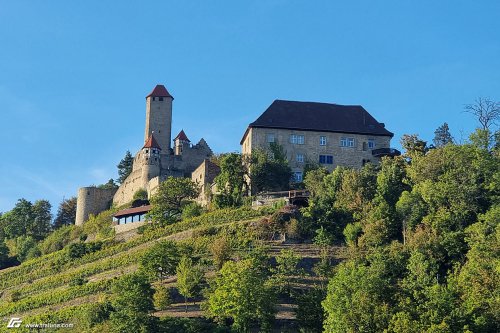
(58, 289)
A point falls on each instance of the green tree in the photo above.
(27, 219)
(286, 268)
(66, 213)
(132, 303)
(26, 248)
(413, 145)
(230, 182)
(168, 201)
(190, 278)
(269, 169)
(240, 293)
(4, 254)
(221, 251)
(442, 136)
(309, 312)
(357, 300)
(160, 260)
(161, 298)
(125, 167)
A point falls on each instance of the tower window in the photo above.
(371, 143)
(154, 98)
(322, 140)
(270, 137)
(299, 158)
(160, 99)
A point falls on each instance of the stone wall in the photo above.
(92, 200)
(119, 228)
(311, 148)
(204, 176)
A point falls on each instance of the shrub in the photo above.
(140, 194)
(191, 210)
(161, 298)
(221, 251)
(59, 238)
(160, 260)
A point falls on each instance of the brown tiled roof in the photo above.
(321, 117)
(160, 91)
(133, 211)
(182, 136)
(151, 143)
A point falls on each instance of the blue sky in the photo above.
(73, 75)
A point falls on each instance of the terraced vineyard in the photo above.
(55, 288)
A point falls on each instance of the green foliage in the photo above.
(356, 300)
(309, 312)
(413, 145)
(140, 194)
(125, 167)
(167, 202)
(4, 254)
(269, 170)
(160, 260)
(66, 213)
(27, 219)
(221, 251)
(442, 136)
(132, 304)
(240, 293)
(26, 248)
(100, 224)
(191, 210)
(230, 181)
(59, 238)
(352, 231)
(161, 297)
(286, 269)
(322, 238)
(190, 278)
(78, 250)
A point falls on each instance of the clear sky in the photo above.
(74, 74)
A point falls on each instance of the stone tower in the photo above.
(150, 159)
(159, 116)
(181, 141)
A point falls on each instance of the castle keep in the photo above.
(156, 160)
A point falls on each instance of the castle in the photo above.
(156, 160)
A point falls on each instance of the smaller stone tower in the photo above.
(150, 159)
(159, 116)
(181, 141)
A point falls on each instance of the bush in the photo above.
(140, 194)
(221, 251)
(78, 250)
(77, 281)
(161, 298)
(160, 260)
(191, 210)
(59, 238)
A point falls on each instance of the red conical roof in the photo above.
(182, 136)
(151, 143)
(160, 91)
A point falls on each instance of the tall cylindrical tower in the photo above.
(159, 116)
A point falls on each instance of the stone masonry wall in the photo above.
(92, 200)
(311, 149)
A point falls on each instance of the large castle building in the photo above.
(153, 163)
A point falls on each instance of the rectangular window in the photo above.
(325, 159)
(299, 158)
(347, 142)
(371, 143)
(297, 139)
(322, 140)
(297, 176)
(270, 138)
